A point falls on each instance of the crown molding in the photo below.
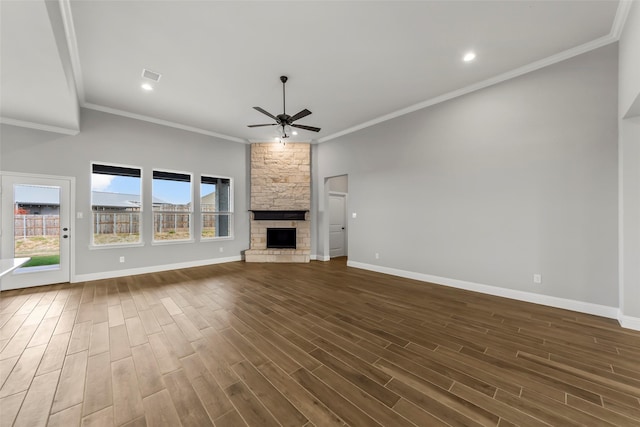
(72, 45)
(69, 27)
(550, 60)
(617, 27)
(38, 126)
(624, 6)
(160, 122)
(268, 141)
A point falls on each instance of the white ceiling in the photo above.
(350, 63)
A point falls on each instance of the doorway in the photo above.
(36, 222)
(337, 224)
(336, 236)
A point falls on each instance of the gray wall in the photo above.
(629, 145)
(492, 187)
(113, 139)
(630, 210)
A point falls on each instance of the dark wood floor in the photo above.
(305, 344)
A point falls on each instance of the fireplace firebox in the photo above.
(281, 238)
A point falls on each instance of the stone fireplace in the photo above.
(280, 199)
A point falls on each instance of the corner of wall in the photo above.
(629, 322)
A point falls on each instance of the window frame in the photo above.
(191, 211)
(92, 224)
(230, 212)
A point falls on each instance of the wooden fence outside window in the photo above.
(36, 225)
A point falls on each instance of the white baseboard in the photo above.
(152, 269)
(567, 304)
(629, 322)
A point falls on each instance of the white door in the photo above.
(337, 225)
(36, 224)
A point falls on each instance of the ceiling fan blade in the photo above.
(301, 114)
(263, 111)
(268, 124)
(311, 128)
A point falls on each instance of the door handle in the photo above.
(65, 229)
(65, 236)
(343, 228)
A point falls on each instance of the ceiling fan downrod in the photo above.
(284, 79)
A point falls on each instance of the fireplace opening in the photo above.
(281, 238)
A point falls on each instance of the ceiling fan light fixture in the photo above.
(284, 131)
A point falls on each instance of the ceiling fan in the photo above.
(285, 121)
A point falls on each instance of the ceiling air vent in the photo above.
(151, 75)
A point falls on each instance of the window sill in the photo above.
(170, 242)
(116, 246)
(215, 239)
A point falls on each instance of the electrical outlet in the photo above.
(354, 215)
(221, 249)
(377, 255)
(537, 278)
(121, 259)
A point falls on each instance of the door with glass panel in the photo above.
(36, 224)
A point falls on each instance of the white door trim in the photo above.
(72, 210)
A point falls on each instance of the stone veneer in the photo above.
(280, 180)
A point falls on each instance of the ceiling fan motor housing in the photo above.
(284, 119)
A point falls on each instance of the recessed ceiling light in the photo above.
(294, 132)
(147, 86)
(469, 56)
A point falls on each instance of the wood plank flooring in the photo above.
(316, 344)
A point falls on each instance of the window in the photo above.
(216, 206)
(172, 206)
(116, 204)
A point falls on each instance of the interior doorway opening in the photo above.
(337, 200)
